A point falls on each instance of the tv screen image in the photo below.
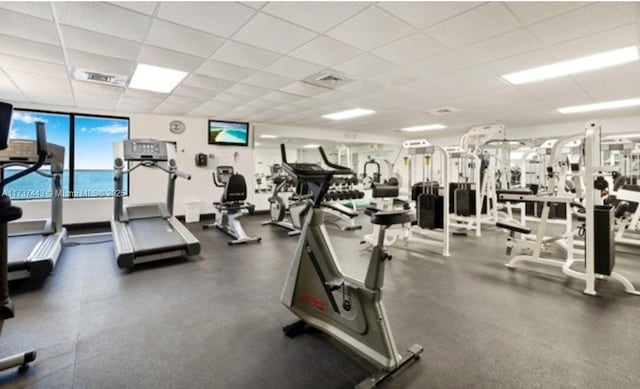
(228, 133)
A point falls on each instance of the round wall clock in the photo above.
(177, 127)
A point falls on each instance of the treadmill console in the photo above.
(145, 150)
(26, 151)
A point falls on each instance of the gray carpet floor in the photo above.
(215, 321)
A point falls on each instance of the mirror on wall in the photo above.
(378, 161)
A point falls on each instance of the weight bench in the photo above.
(513, 230)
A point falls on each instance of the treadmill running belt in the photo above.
(154, 235)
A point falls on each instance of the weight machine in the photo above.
(599, 251)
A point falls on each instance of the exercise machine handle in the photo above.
(283, 151)
(339, 169)
(180, 174)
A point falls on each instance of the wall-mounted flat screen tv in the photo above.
(228, 133)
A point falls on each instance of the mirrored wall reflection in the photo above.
(373, 160)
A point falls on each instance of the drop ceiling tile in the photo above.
(302, 89)
(57, 98)
(520, 62)
(424, 14)
(282, 97)
(511, 43)
(103, 18)
(32, 66)
(224, 71)
(186, 40)
(28, 27)
(612, 84)
(370, 29)
(131, 104)
(92, 42)
(100, 63)
(475, 25)
(191, 101)
(557, 93)
(325, 51)
(232, 98)
(254, 4)
(156, 56)
(365, 65)
(145, 95)
(317, 16)
(330, 97)
(8, 90)
(244, 55)
(262, 104)
(145, 7)
(216, 107)
(218, 18)
(189, 91)
(362, 87)
(30, 49)
(267, 80)
(248, 90)
(398, 77)
(199, 81)
(292, 68)
(40, 9)
(584, 21)
(533, 11)
(410, 49)
(170, 109)
(273, 34)
(443, 64)
(616, 38)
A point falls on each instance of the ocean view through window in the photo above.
(88, 159)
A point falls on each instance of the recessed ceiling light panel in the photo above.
(575, 66)
(349, 114)
(424, 127)
(155, 78)
(601, 106)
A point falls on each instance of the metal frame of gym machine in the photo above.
(129, 250)
(592, 169)
(48, 234)
(10, 213)
(410, 233)
(627, 226)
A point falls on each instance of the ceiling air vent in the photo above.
(98, 78)
(328, 79)
(442, 111)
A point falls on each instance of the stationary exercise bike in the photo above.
(232, 205)
(10, 213)
(278, 208)
(316, 290)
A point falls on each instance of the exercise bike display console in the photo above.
(349, 310)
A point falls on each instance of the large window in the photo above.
(93, 163)
(88, 142)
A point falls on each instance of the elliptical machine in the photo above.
(278, 208)
(10, 213)
(323, 297)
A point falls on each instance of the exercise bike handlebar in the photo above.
(41, 139)
(339, 169)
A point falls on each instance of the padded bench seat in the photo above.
(514, 227)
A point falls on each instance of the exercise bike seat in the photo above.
(10, 213)
(388, 218)
(514, 227)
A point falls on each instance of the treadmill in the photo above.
(148, 232)
(35, 244)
